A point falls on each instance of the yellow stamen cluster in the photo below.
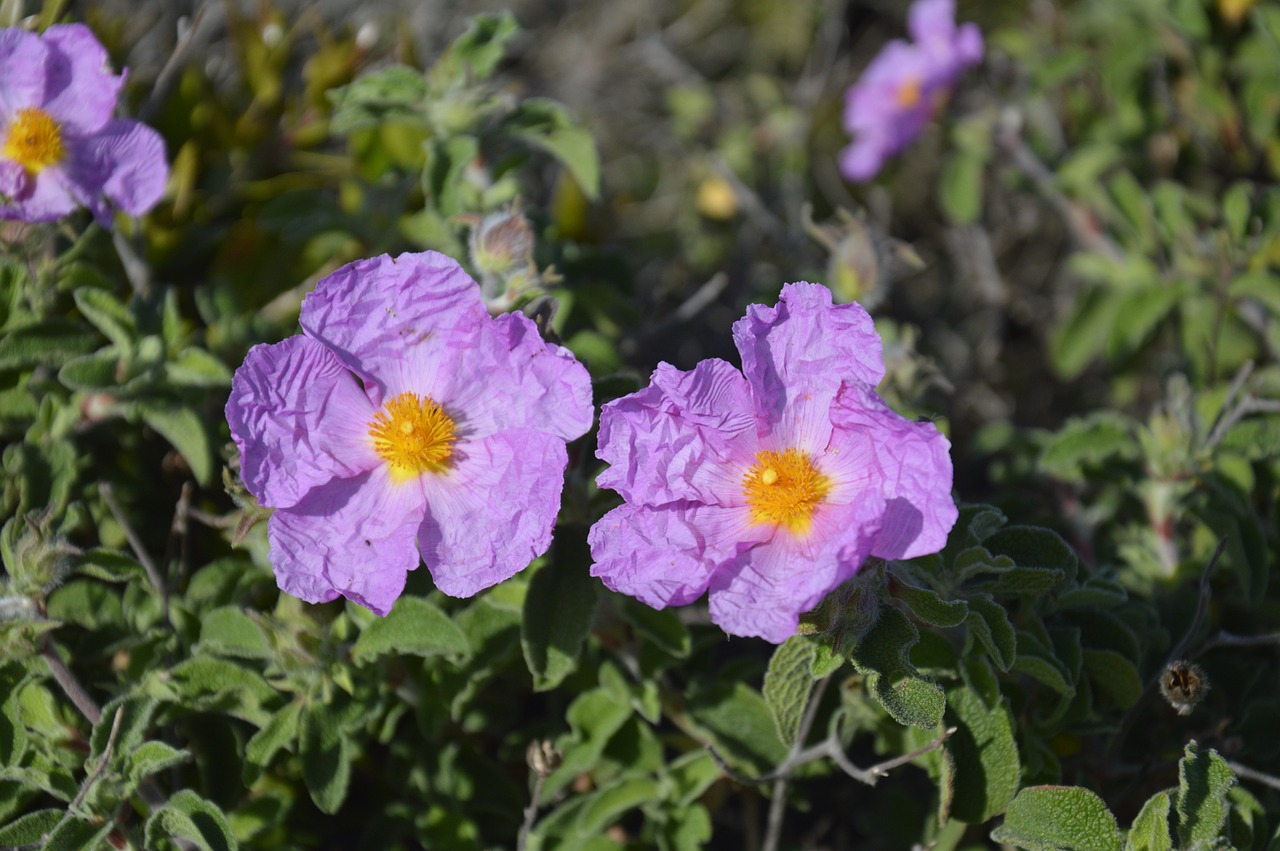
(413, 434)
(909, 93)
(34, 140)
(784, 488)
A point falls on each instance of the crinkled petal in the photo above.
(492, 512)
(511, 378)
(45, 197)
(15, 184)
(931, 20)
(910, 464)
(299, 420)
(396, 323)
(124, 162)
(796, 354)
(349, 537)
(688, 435)
(22, 62)
(766, 588)
(80, 89)
(666, 555)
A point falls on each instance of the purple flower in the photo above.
(405, 420)
(905, 85)
(768, 487)
(59, 146)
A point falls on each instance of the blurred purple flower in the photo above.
(405, 420)
(771, 488)
(905, 85)
(59, 146)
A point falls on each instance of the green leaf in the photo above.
(211, 683)
(1088, 443)
(1140, 313)
(326, 758)
(1204, 779)
(928, 605)
(603, 808)
(787, 684)
(551, 126)
(594, 717)
(186, 432)
(475, 54)
(1040, 663)
(984, 755)
(1150, 830)
(1096, 593)
(1076, 342)
(197, 368)
(559, 610)
(76, 834)
(989, 623)
(397, 93)
(51, 343)
(279, 732)
(1114, 676)
(1263, 287)
(960, 187)
(1059, 818)
(661, 626)
(1236, 207)
(230, 631)
(736, 720)
(108, 315)
(413, 626)
(98, 371)
(445, 171)
(109, 566)
(881, 656)
(188, 816)
(151, 757)
(135, 718)
(1035, 546)
(29, 828)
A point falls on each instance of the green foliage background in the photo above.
(1077, 275)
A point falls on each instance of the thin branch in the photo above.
(135, 543)
(69, 684)
(778, 796)
(1220, 426)
(165, 79)
(1250, 774)
(530, 813)
(1230, 639)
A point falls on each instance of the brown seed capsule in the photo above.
(1184, 684)
(542, 756)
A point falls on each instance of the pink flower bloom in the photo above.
(768, 487)
(905, 85)
(405, 420)
(59, 146)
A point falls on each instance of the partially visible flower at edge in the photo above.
(405, 424)
(904, 86)
(60, 147)
(767, 488)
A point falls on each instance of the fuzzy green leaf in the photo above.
(108, 315)
(393, 94)
(474, 55)
(326, 758)
(1114, 676)
(1034, 546)
(76, 834)
(1150, 830)
(186, 432)
(787, 684)
(49, 343)
(1095, 593)
(881, 657)
(188, 816)
(230, 631)
(415, 627)
(928, 605)
(29, 828)
(1059, 818)
(558, 611)
(989, 623)
(1204, 779)
(605, 806)
(983, 754)
(151, 757)
(551, 126)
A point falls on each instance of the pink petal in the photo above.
(349, 537)
(80, 89)
(687, 436)
(299, 420)
(493, 511)
(666, 556)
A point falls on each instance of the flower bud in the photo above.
(1184, 684)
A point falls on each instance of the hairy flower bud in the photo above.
(1184, 684)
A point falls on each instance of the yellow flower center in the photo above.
(784, 488)
(34, 141)
(909, 93)
(413, 434)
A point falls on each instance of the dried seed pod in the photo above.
(1184, 684)
(542, 756)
